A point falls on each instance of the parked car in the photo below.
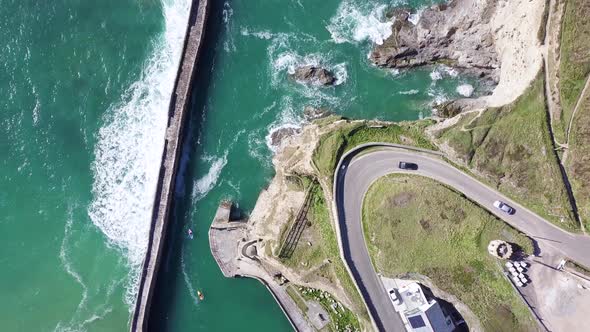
(408, 166)
(392, 295)
(504, 207)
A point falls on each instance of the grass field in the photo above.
(337, 142)
(341, 319)
(578, 162)
(322, 258)
(511, 147)
(413, 224)
(575, 55)
(299, 301)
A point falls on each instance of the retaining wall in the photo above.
(177, 115)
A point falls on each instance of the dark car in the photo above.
(408, 166)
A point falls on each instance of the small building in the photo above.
(419, 313)
(500, 249)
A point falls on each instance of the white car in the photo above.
(392, 295)
(504, 207)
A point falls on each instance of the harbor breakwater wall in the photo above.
(177, 115)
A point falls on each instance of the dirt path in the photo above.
(578, 102)
(551, 61)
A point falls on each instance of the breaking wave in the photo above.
(465, 90)
(358, 21)
(208, 181)
(409, 92)
(227, 13)
(129, 147)
(266, 35)
(288, 118)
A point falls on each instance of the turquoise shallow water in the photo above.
(244, 96)
(65, 68)
(84, 96)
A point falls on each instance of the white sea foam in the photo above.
(189, 286)
(257, 147)
(438, 96)
(409, 92)
(266, 35)
(436, 75)
(465, 90)
(209, 180)
(74, 323)
(129, 147)
(414, 18)
(227, 13)
(37, 107)
(340, 73)
(65, 261)
(283, 60)
(440, 72)
(452, 72)
(358, 21)
(289, 61)
(288, 118)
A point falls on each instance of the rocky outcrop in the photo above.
(314, 75)
(278, 135)
(458, 34)
(311, 113)
(451, 108)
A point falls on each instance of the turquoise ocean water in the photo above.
(83, 98)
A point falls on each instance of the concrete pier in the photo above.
(236, 255)
(177, 116)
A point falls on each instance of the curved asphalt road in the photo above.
(356, 175)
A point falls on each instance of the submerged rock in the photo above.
(458, 34)
(313, 75)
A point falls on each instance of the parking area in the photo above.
(559, 298)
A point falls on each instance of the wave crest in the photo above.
(129, 147)
(355, 22)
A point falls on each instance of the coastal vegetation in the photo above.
(317, 253)
(335, 143)
(511, 149)
(413, 224)
(578, 161)
(574, 73)
(341, 319)
(575, 55)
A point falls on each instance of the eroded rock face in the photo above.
(278, 135)
(451, 108)
(312, 113)
(314, 75)
(457, 34)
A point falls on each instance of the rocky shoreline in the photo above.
(314, 75)
(477, 37)
(457, 34)
(489, 39)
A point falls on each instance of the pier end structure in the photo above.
(177, 115)
(235, 252)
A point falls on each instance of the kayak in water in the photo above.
(190, 233)
(200, 295)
